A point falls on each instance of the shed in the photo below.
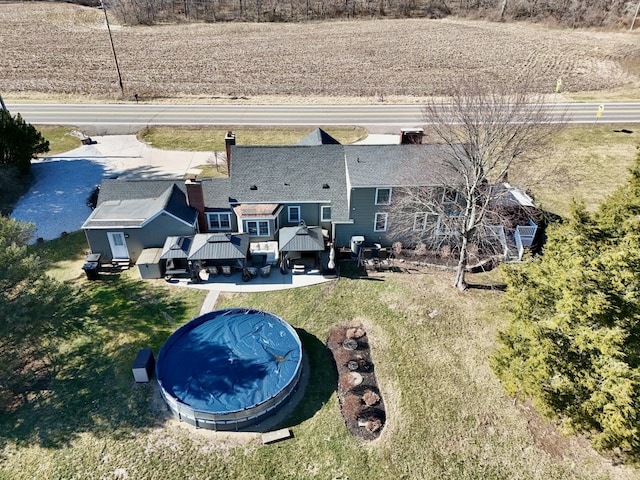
(149, 264)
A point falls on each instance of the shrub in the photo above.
(370, 398)
(352, 406)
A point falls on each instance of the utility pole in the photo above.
(635, 16)
(113, 48)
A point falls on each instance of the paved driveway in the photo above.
(57, 200)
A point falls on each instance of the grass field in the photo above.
(403, 59)
(448, 416)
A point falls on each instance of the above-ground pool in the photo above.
(228, 369)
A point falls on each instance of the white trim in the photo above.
(208, 215)
(388, 202)
(375, 222)
(323, 218)
(118, 250)
(292, 208)
(424, 217)
(150, 219)
(257, 222)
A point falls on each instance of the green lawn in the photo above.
(583, 162)
(212, 138)
(60, 140)
(448, 416)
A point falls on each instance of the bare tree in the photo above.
(482, 135)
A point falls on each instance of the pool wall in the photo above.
(231, 420)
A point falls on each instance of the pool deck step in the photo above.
(276, 436)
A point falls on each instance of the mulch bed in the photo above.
(360, 399)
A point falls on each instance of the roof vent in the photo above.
(286, 184)
(325, 186)
(253, 187)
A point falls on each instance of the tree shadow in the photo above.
(93, 335)
(478, 286)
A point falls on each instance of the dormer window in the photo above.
(383, 196)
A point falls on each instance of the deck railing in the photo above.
(524, 236)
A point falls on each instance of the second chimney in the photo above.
(229, 141)
(195, 199)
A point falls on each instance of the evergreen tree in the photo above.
(19, 142)
(573, 342)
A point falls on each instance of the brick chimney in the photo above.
(195, 199)
(411, 136)
(229, 141)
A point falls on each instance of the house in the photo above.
(315, 193)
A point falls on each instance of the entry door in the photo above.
(118, 245)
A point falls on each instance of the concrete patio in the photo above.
(275, 281)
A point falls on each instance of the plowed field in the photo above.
(65, 49)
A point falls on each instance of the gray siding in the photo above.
(151, 235)
(309, 212)
(363, 210)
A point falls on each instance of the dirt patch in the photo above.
(239, 61)
(360, 399)
(547, 436)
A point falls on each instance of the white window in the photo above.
(294, 214)
(219, 221)
(257, 228)
(380, 223)
(448, 225)
(451, 202)
(423, 220)
(325, 214)
(383, 196)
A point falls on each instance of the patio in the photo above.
(234, 282)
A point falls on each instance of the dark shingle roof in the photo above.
(135, 212)
(286, 174)
(318, 137)
(216, 190)
(397, 165)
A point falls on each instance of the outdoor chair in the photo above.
(226, 270)
(265, 271)
(253, 271)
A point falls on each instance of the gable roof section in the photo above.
(318, 137)
(290, 174)
(219, 246)
(397, 165)
(301, 239)
(176, 247)
(123, 212)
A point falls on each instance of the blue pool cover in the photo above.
(229, 360)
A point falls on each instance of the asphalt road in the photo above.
(133, 116)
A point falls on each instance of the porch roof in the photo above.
(219, 246)
(301, 239)
(176, 247)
